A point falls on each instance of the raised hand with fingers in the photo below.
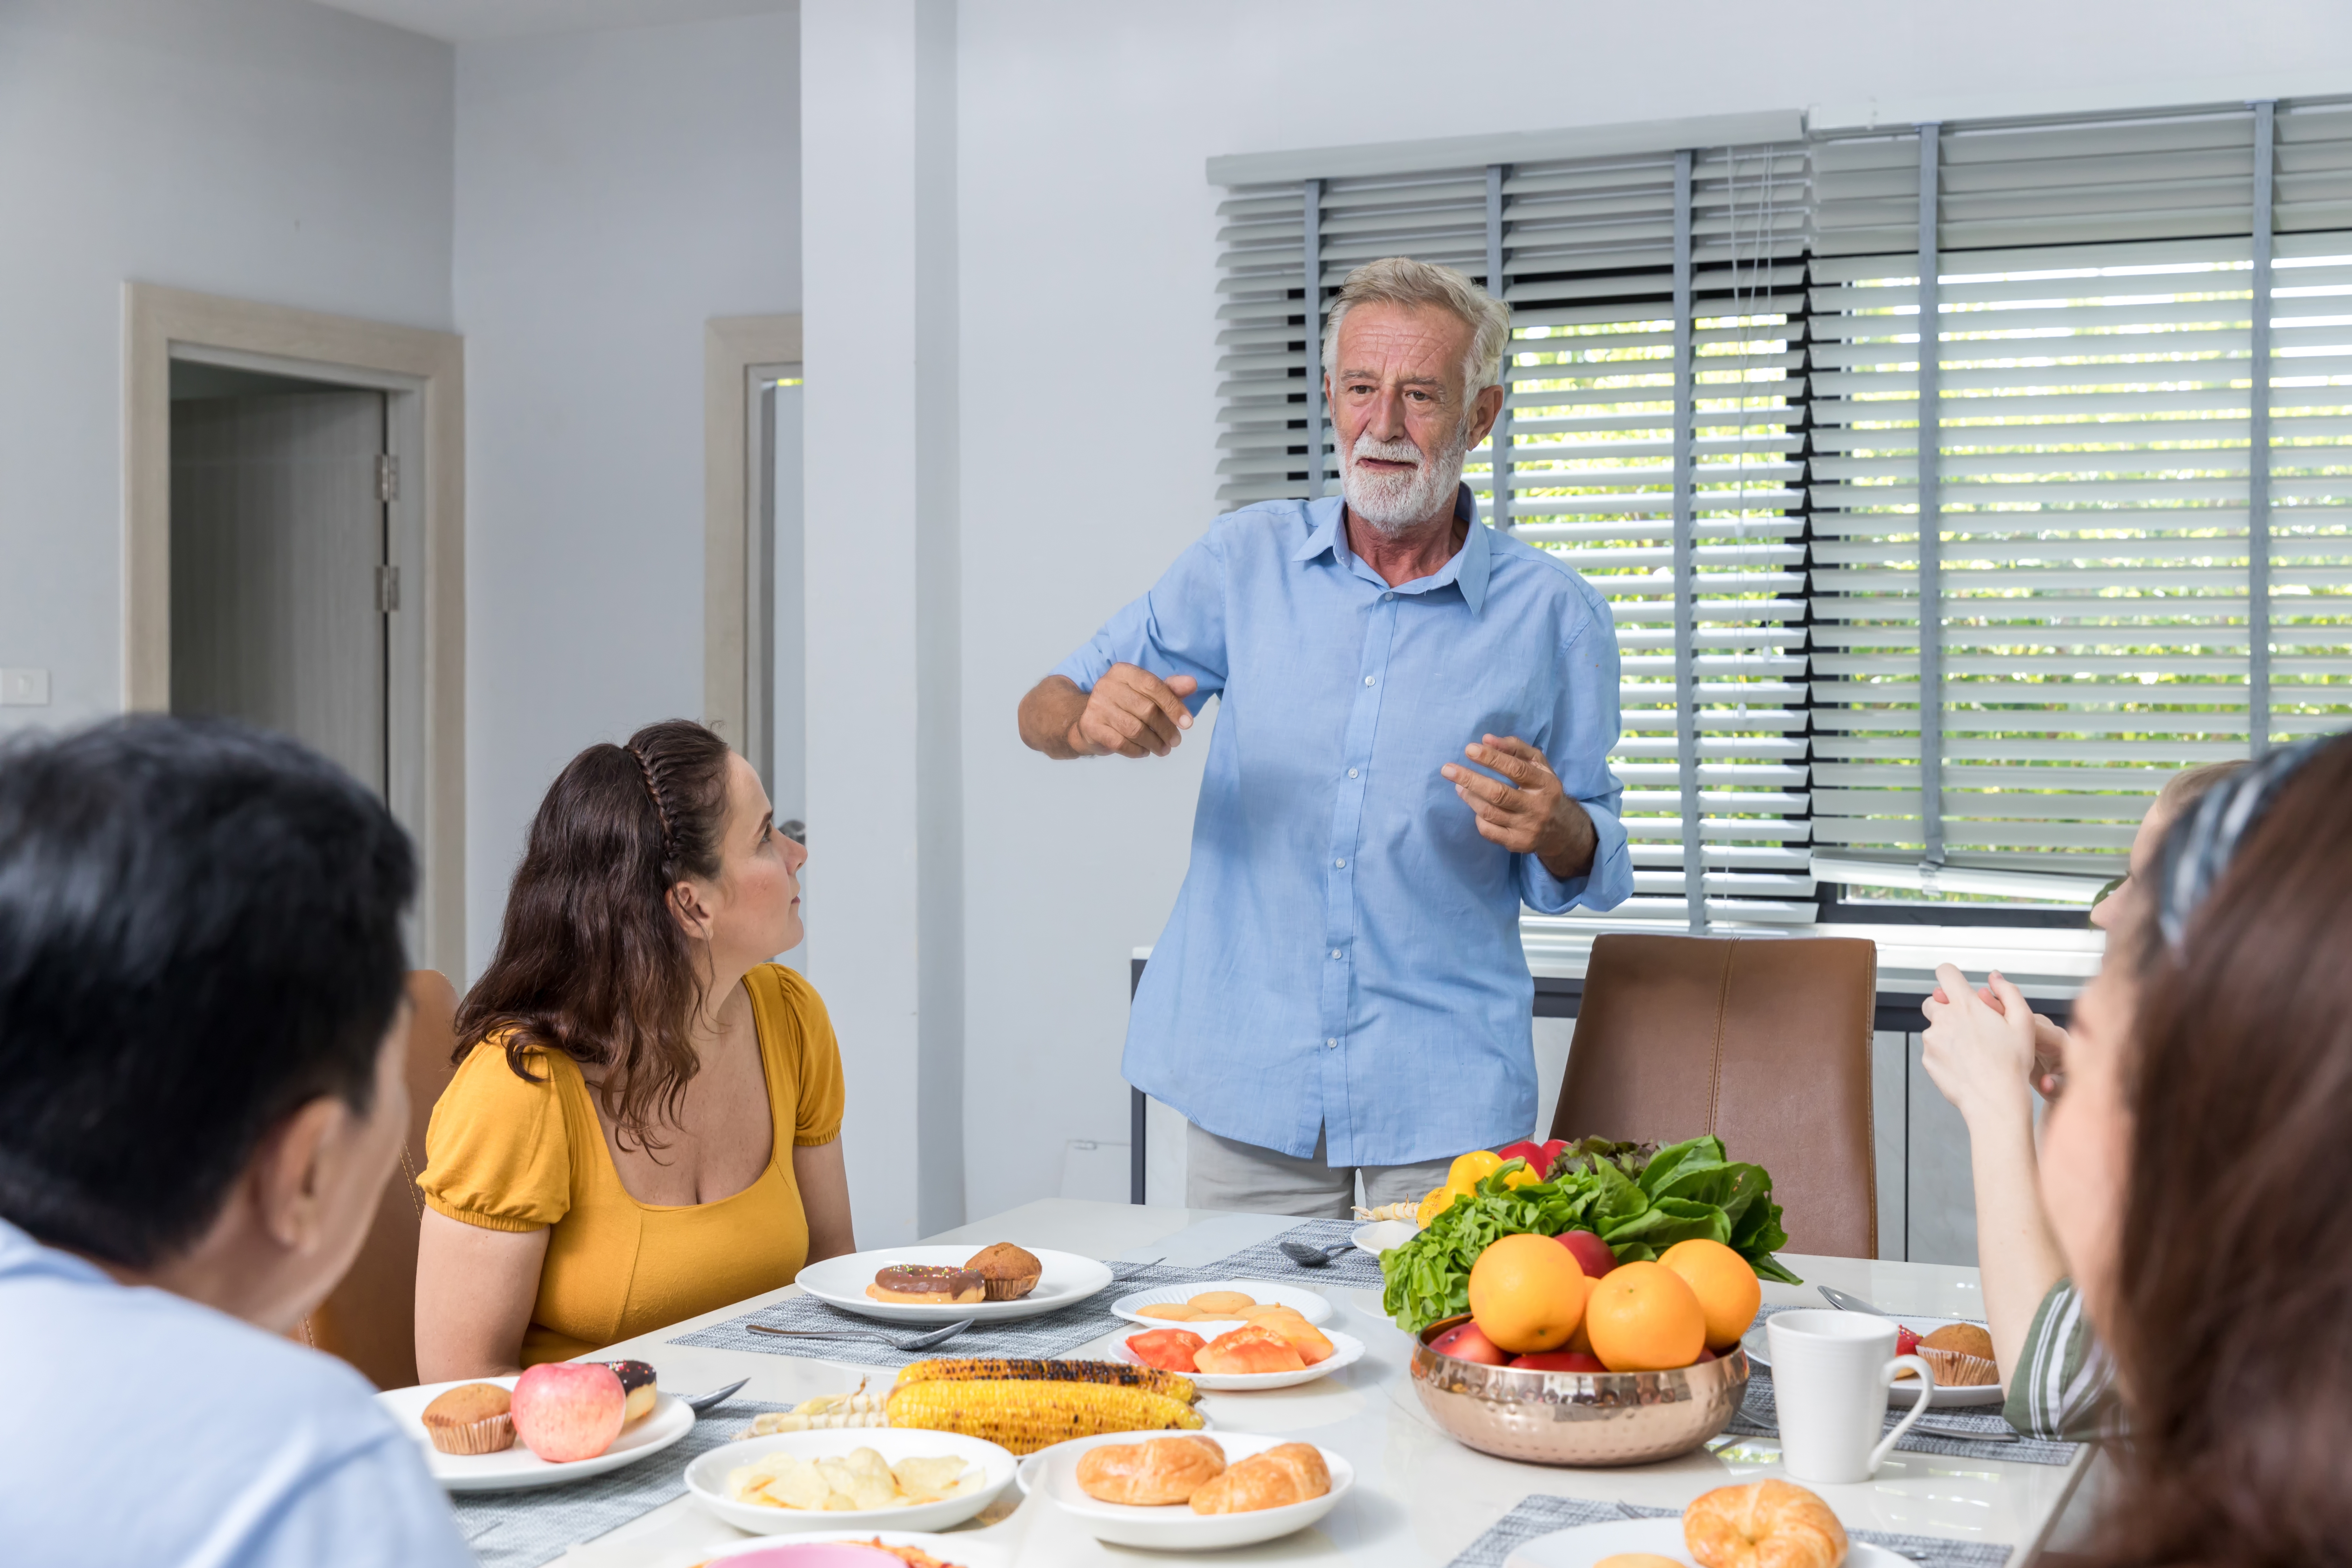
(1526, 811)
(1132, 712)
(1980, 1046)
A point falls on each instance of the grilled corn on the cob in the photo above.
(1008, 1369)
(1025, 1416)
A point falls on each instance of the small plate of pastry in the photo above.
(555, 1424)
(1276, 1349)
(1958, 1351)
(792, 1482)
(1772, 1522)
(1191, 1493)
(1210, 1308)
(938, 1285)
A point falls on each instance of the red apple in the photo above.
(1592, 1253)
(568, 1410)
(1559, 1361)
(1467, 1343)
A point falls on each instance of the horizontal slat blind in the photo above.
(1588, 269)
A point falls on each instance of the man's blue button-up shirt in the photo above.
(1344, 955)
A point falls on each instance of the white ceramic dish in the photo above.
(1382, 1236)
(991, 1472)
(1588, 1543)
(841, 1282)
(517, 1466)
(1905, 1395)
(965, 1549)
(1346, 1351)
(1176, 1528)
(1310, 1306)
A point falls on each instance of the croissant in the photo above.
(1146, 1475)
(1769, 1524)
(1285, 1474)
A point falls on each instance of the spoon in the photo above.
(702, 1402)
(1845, 1303)
(1307, 1256)
(918, 1343)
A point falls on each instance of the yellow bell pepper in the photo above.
(1439, 1200)
(1525, 1177)
(1467, 1171)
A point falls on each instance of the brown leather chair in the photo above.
(1763, 1042)
(370, 1320)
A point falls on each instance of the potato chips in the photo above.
(858, 1481)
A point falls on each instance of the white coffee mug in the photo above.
(1830, 1372)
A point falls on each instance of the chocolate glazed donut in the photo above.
(926, 1283)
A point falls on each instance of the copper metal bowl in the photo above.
(1576, 1417)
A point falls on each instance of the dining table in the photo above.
(1420, 1498)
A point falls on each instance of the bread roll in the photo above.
(1168, 1311)
(1285, 1474)
(1152, 1474)
(1247, 1351)
(1767, 1524)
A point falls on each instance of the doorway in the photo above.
(282, 578)
(776, 692)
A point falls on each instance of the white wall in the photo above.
(615, 191)
(1087, 239)
(270, 150)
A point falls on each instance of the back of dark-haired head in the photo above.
(199, 933)
(2234, 1261)
(591, 962)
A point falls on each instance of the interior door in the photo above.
(277, 532)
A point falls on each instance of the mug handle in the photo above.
(1926, 1392)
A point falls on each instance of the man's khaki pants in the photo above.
(1222, 1173)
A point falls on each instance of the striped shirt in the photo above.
(2064, 1379)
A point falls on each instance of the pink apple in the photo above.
(1467, 1343)
(568, 1410)
(1559, 1361)
(1592, 1253)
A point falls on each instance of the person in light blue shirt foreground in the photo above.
(202, 1024)
(1414, 717)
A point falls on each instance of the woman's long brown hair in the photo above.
(591, 962)
(2232, 1320)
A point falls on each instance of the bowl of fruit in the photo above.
(1595, 1334)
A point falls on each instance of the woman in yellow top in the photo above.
(645, 1119)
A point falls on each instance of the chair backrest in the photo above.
(1764, 1043)
(370, 1319)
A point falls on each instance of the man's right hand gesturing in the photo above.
(1132, 712)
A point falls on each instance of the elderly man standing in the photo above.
(1416, 714)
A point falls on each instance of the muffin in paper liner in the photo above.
(473, 1418)
(1007, 1272)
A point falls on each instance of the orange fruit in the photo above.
(1643, 1317)
(1527, 1293)
(1727, 1290)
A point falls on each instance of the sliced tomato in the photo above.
(1169, 1349)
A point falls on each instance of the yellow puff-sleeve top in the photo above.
(505, 1155)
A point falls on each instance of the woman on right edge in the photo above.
(2195, 1173)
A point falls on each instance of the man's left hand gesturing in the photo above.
(1530, 814)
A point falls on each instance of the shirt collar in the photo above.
(1469, 568)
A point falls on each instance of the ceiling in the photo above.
(461, 21)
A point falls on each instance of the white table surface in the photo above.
(1420, 1498)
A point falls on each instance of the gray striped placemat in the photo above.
(525, 1529)
(864, 1341)
(1538, 1516)
(1354, 1269)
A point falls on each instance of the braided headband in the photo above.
(2196, 853)
(653, 793)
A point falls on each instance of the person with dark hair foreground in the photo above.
(201, 1029)
(645, 1119)
(2195, 1173)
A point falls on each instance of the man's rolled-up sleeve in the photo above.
(1584, 727)
(1177, 628)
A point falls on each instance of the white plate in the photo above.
(1310, 1306)
(1759, 1351)
(1382, 1236)
(1588, 1543)
(517, 1466)
(1346, 1351)
(1176, 1528)
(841, 1282)
(964, 1550)
(990, 1473)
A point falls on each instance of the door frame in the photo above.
(423, 374)
(735, 568)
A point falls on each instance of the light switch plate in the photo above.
(24, 688)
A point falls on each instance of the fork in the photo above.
(917, 1342)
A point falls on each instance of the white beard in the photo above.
(1392, 503)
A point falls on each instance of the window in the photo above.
(1714, 412)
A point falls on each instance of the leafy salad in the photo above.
(1637, 1197)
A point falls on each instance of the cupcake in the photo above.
(472, 1418)
(1008, 1272)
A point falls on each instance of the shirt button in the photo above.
(1341, 864)
(1335, 953)
(1331, 1044)
(1368, 681)
(1352, 773)
(1388, 596)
